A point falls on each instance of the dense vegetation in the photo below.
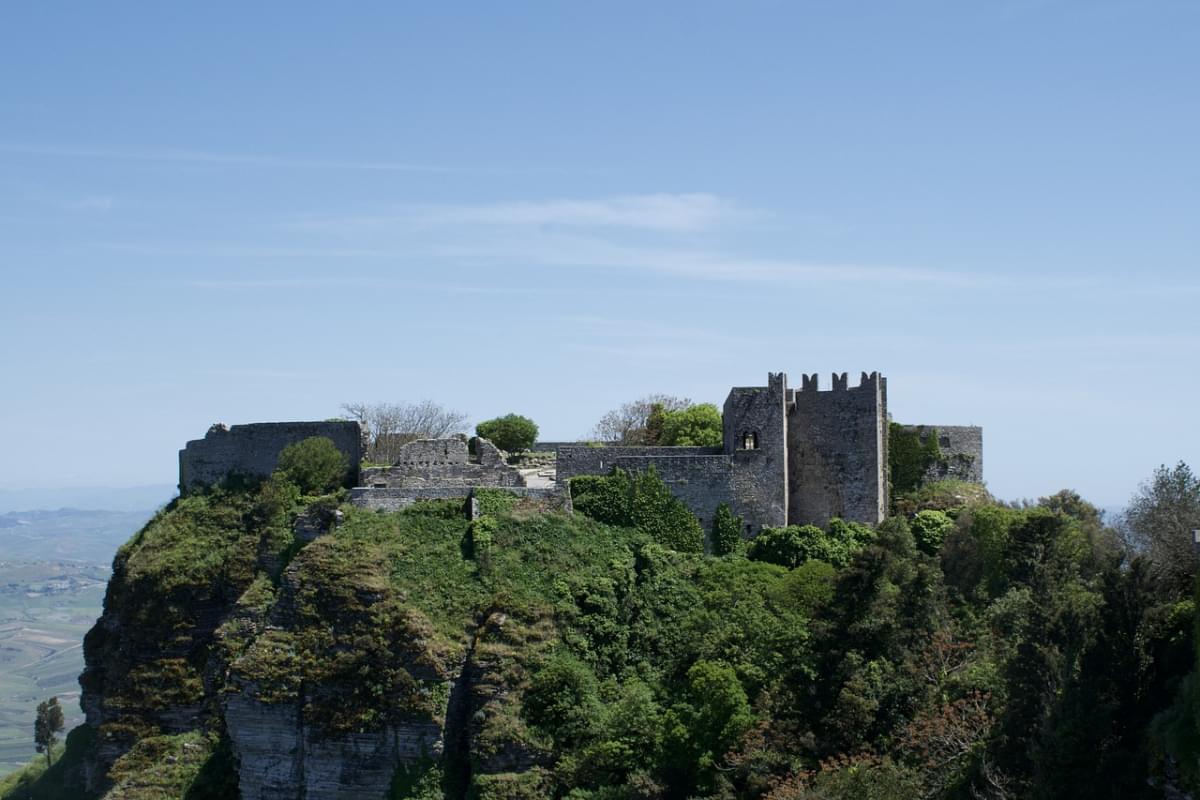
(962, 649)
(512, 432)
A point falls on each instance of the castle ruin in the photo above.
(789, 457)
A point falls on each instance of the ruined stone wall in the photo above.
(444, 462)
(575, 460)
(961, 448)
(755, 437)
(253, 450)
(837, 451)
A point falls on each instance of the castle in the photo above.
(789, 457)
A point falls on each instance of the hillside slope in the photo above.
(258, 645)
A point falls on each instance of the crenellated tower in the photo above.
(837, 450)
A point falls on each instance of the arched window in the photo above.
(750, 440)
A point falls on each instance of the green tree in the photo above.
(695, 426)
(47, 726)
(512, 432)
(713, 715)
(726, 531)
(929, 529)
(1159, 520)
(314, 464)
(791, 546)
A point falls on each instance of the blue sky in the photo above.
(246, 213)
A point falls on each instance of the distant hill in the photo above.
(132, 498)
(67, 534)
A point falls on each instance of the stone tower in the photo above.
(755, 434)
(837, 451)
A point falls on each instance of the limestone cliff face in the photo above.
(312, 655)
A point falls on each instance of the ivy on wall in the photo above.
(909, 458)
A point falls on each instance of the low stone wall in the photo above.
(554, 498)
(584, 460)
(431, 463)
(253, 450)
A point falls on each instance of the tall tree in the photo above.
(1159, 521)
(47, 726)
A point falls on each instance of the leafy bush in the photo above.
(929, 529)
(604, 498)
(481, 534)
(694, 426)
(640, 500)
(657, 512)
(795, 544)
(314, 464)
(909, 458)
(512, 432)
(726, 531)
(791, 546)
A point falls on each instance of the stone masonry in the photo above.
(253, 450)
(789, 456)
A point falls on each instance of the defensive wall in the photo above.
(961, 452)
(253, 450)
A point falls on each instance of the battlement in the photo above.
(811, 383)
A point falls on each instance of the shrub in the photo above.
(642, 501)
(929, 529)
(481, 535)
(658, 513)
(604, 498)
(314, 464)
(694, 426)
(793, 545)
(726, 531)
(512, 432)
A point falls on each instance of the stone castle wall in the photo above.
(961, 449)
(837, 451)
(253, 450)
(580, 459)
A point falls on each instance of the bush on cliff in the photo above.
(791, 546)
(639, 500)
(512, 432)
(726, 531)
(314, 464)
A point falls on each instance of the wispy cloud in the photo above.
(185, 156)
(664, 212)
(92, 203)
(595, 253)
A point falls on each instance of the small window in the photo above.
(750, 440)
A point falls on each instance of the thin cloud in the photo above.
(176, 156)
(665, 212)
